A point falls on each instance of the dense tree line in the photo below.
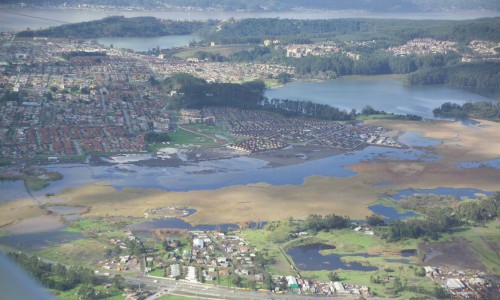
(317, 223)
(482, 110)
(483, 75)
(197, 93)
(118, 26)
(306, 108)
(396, 31)
(442, 219)
(54, 276)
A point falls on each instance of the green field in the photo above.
(347, 241)
(109, 294)
(183, 137)
(84, 251)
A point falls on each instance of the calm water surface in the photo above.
(309, 258)
(225, 172)
(380, 92)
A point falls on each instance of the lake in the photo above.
(53, 17)
(381, 92)
(147, 43)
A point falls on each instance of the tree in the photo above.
(333, 276)
(118, 281)
(86, 292)
(283, 77)
(440, 293)
(375, 220)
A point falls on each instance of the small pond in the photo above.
(309, 258)
(391, 213)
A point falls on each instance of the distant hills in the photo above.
(276, 5)
(118, 26)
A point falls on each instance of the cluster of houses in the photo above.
(318, 49)
(462, 284)
(258, 145)
(86, 104)
(265, 131)
(424, 46)
(331, 288)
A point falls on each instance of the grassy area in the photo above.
(184, 137)
(34, 183)
(257, 238)
(78, 252)
(348, 241)
(157, 272)
(375, 117)
(110, 294)
(484, 241)
(98, 225)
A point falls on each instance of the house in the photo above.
(292, 282)
(198, 243)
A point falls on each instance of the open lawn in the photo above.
(110, 294)
(257, 239)
(184, 137)
(84, 251)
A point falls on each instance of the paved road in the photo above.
(164, 286)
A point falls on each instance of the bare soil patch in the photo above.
(454, 254)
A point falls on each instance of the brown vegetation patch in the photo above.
(454, 254)
(14, 211)
(319, 195)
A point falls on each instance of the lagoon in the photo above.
(223, 173)
(381, 92)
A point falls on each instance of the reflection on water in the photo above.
(381, 93)
(40, 240)
(223, 173)
(309, 258)
(391, 213)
